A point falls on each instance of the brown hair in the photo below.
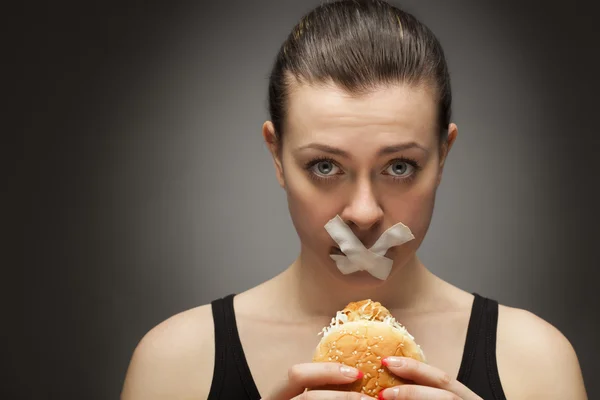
(358, 45)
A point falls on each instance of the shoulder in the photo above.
(174, 359)
(535, 360)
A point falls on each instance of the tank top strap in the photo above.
(473, 332)
(479, 370)
(231, 373)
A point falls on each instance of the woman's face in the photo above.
(373, 159)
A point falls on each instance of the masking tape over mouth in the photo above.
(357, 257)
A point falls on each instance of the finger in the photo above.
(310, 375)
(416, 371)
(332, 395)
(424, 374)
(415, 392)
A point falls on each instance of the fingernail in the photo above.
(393, 362)
(351, 372)
(388, 394)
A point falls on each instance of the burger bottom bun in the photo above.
(362, 345)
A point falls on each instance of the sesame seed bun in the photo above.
(362, 335)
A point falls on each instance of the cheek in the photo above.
(310, 208)
(414, 208)
(420, 208)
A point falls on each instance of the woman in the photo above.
(360, 128)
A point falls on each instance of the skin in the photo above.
(371, 191)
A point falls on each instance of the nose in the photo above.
(363, 210)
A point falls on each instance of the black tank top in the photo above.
(478, 370)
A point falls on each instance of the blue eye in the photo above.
(399, 168)
(325, 168)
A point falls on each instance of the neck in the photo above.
(314, 292)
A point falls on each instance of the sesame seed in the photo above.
(379, 357)
(374, 366)
(368, 347)
(368, 361)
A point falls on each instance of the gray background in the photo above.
(148, 190)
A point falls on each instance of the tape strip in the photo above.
(357, 257)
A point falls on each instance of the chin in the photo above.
(358, 280)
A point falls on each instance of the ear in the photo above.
(445, 149)
(274, 145)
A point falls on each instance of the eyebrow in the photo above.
(384, 151)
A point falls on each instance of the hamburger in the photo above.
(360, 336)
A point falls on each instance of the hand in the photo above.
(430, 383)
(314, 375)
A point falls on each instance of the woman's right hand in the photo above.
(314, 375)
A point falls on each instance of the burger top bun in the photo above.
(360, 336)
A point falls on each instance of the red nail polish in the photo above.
(380, 395)
(360, 374)
(384, 362)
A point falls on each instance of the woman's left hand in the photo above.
(428, 382)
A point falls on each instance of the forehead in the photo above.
(388, 113)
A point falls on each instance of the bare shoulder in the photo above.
(535, 360)
(174, 359)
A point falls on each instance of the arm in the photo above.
(174, 360)
(535, 360)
